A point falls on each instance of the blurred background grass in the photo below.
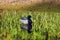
(46, 24)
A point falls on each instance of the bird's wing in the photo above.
(24, 21)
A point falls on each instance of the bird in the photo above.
(26, 23)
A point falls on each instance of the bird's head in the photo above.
(29, 16)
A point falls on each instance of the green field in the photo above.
(46, 24)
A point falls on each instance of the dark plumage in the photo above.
(29, 24)
(26, 23)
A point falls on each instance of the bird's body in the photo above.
(26, 24)
(24, 21)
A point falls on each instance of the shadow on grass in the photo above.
(43, 7)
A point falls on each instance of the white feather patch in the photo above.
(24, 21)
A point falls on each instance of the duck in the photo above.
(26, 23)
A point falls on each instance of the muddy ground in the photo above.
(17, 4)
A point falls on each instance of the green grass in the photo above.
(42, 21)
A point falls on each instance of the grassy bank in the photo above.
(42, 22)
(46, 24)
